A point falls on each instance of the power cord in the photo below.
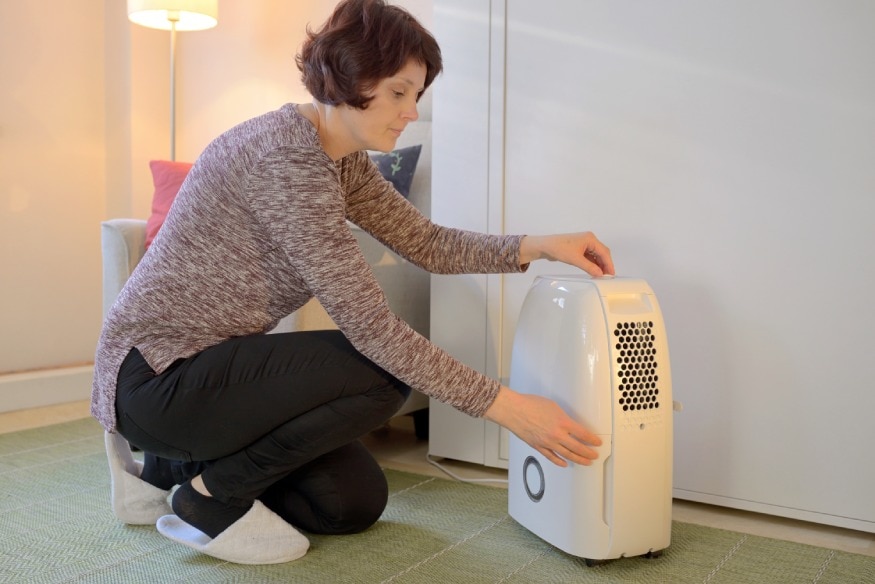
(457, 477)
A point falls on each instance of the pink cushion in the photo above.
(167, 177)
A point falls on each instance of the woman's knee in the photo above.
(325, 506)
(342, 492)
(362, 506)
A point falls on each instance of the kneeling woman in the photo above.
(261, 431)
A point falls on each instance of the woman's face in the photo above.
(393, 107)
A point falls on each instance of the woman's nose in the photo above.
(411, 113)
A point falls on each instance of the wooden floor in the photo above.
(395, 446)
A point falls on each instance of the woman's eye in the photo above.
(398, 93)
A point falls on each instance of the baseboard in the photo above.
(777, 510)
(21, 391)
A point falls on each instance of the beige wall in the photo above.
(52, 193)
(84, 106)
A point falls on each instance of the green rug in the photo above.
(56, 526)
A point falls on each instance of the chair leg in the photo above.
(420, 423)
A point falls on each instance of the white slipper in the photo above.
(134, 501)
(259, 537)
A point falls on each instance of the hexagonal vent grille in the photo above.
(638, 381)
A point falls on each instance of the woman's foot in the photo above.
(252, 535)
(259, 537)
(157, 471)
(204, 512)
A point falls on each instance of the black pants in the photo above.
(273, 417)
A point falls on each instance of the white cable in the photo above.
(457, 477)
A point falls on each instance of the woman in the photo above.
(261, 431)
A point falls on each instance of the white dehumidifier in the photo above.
(598, 348)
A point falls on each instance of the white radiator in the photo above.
(598, 348)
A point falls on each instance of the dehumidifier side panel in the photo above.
(641, 488)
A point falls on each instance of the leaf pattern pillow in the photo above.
(398, 166)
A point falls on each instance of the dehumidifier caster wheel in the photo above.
(593, 563)
(653, 554)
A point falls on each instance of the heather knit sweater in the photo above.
(257, 229)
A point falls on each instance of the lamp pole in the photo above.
(173, 17)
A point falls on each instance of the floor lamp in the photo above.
(174, 15)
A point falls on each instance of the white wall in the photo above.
(724, 151)
(727, 156)
(84, 107)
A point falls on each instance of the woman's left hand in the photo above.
(582, 250)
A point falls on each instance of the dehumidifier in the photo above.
(598, 348)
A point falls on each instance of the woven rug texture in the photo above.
(56, 526)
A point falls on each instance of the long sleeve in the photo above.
(374, 206)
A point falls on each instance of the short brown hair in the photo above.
(362, 42)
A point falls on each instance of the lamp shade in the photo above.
(185, 14)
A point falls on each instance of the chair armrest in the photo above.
(122, 245)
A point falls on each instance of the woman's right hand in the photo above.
(543, 425)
